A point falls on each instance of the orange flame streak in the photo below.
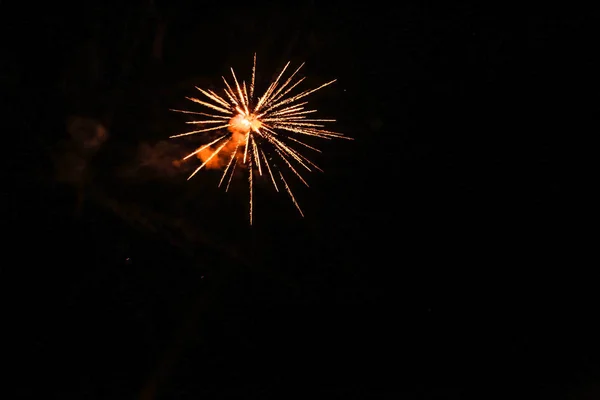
(299, 96)
(256, 157)
(286, 82)
(250, 184)
(214, 128)
(299, 157)
(262, 99)
(313, 132)
(246, 98)
(287, 91)
(199, 113)
(305, 145)
(206, 121)
(278, 144)
(230, 177)
(233, 154)
(273, 86)
(287, 110)
(290, 193)
(301, 118)
(291, 167)
(241, 98)
(297, 113)
(229, 92)
(253, 75)
(301, 124)
(246, 149)
(216, 99)
(219, 97)
(209, 158)
(216, 108)
(203, 147)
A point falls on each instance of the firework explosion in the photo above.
(258, 132)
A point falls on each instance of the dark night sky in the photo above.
(438, 257)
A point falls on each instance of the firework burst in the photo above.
(258, 133)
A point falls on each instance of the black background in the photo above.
(439, 256)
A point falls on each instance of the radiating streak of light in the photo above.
(246, 148)
(291, 167)
(203, 147)
(250, 184)
(290, 193)
(214, 128)
(256, 157)
(253, 76)
(216, 108)
(206, 121)
(230, 177)
(304, 144)
(199, 113)
(215, 98)
(233, 154)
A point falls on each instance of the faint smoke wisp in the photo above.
(86, 137)
(161, 160)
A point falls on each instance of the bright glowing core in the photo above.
(244, 123)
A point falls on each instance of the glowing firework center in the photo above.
(243, 124)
